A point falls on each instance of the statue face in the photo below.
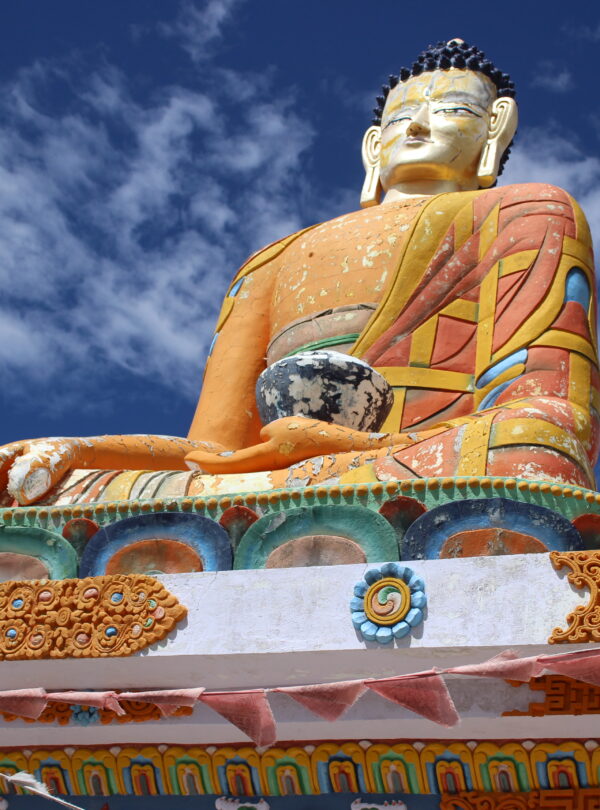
(434, 127)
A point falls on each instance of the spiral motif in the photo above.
(387, 601)
(62, 616)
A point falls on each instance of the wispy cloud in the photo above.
(341, 88)
(197, 26)
(552, 77)
(122, 221)
(591, 33)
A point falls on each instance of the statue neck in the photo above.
(425, 188)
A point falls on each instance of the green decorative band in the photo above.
(361, 522)
(325, 343)
(567, 500)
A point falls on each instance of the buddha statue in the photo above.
(474, 302)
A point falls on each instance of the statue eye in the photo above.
(397, 119)
(457, 111)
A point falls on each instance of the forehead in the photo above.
(442, 85)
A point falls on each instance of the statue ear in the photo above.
(503, 125)
(371, 148)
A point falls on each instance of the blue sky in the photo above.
(146, 148)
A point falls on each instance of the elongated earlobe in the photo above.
(503, 125)
(371, 147)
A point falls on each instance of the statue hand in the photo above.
(29, 469)
(288, 440)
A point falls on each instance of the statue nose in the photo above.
(420, 122)
(417, 128)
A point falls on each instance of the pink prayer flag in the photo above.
(24, 702)
(249, 711)
(424, 693)
(167, 700)
(328, 700)
(101, 700)
(506, 664)
(582, 665)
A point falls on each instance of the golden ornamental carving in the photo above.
(584, 622)
(560, 695)
(84, 618)
(563, 799)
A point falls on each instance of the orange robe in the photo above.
(499, 326)
(485, 330)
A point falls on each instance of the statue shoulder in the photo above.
(528, 198)
(266, 255)
(543, 193)
(544, 200)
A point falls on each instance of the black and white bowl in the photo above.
(326, 385)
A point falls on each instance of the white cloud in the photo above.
(196, 27)
(122, 221)
(551, 77)
(548, 155)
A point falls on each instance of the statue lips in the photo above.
(413, 140)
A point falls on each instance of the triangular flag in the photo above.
(582, 665)
(248, 710)
(100, 700)
(424, 693)
(167, 700)
(506, 665)
(24, 702)
(328, 700)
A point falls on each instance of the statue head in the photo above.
(449, 119)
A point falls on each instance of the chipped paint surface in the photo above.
(324, 385)
(433, 308)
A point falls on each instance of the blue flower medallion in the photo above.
(388, 602)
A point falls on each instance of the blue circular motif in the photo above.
(110, 631)
(425, 538)
(388, 603)
(11, 633)
(116, 598)
(207, 538)
(85, 715)
(17, 604)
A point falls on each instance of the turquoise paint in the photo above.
(577, 287)
(371, 531)
(56, 553)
